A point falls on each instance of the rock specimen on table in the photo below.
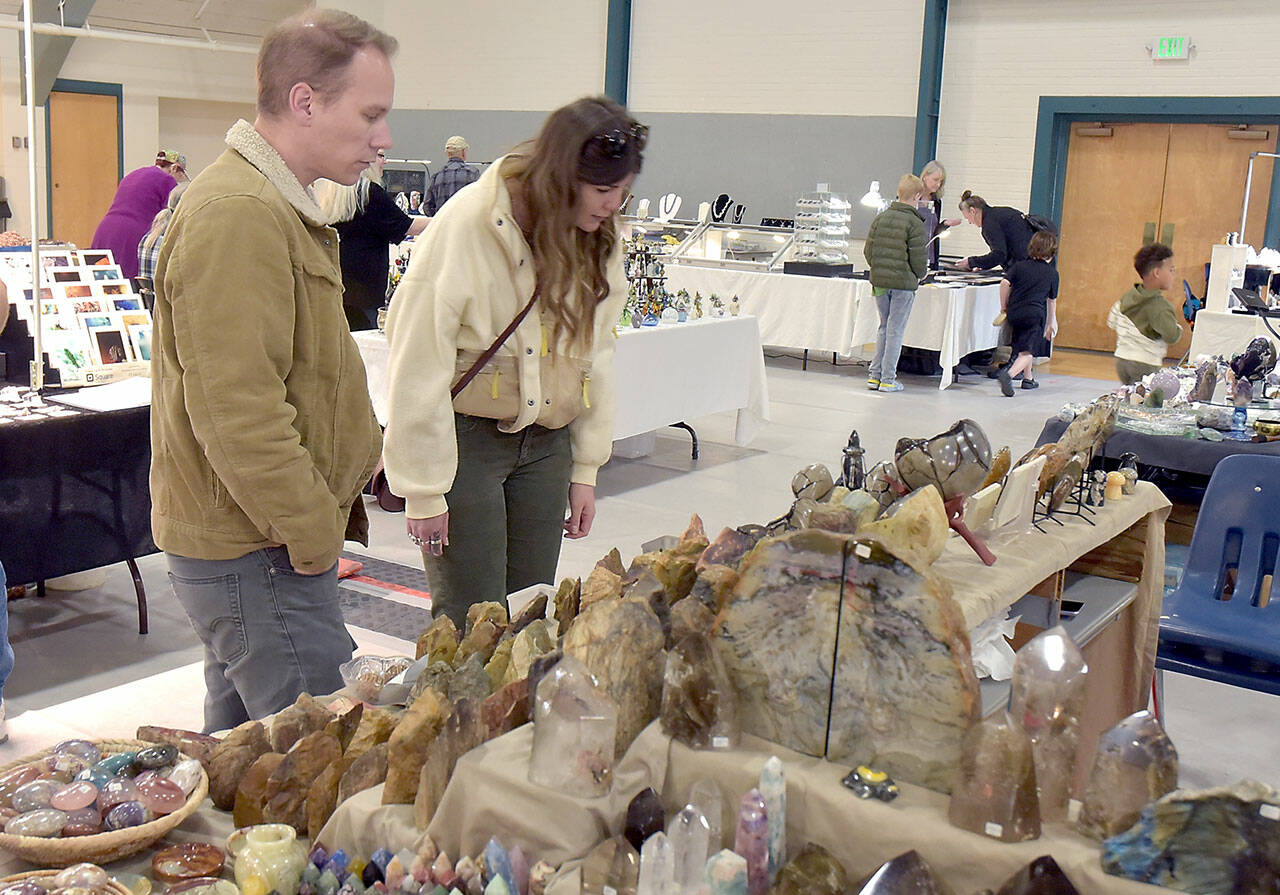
(439, 642)
(567, 602)
(1223, 841)
(777, 637)
(914, 528)
(534, 610)
(285, 796)
(645, 816)
(675, 568)
(497, 863)
(506, 709)
(808, 513)
(499, 664)
(1135, 764)
(1206, 382)
(726, 874)
(238, 750)
(535, 639)
(344, 726)
(648, 591)
(539, 876)
(462, 732)
(657, 867)
(1048, 695)
(955, 462)
(1055, 458)
(375, 727)
(322, 799)
(691, 844)
(409, 744)
(995, 791)
(815, 871)
(1000, 464)
(713, 586)
(705, 796)
(621, 644)
(773, 790)
(480, 641)
(436, 676)
(199, 746)
(250, 794)
(884, 483)
(699, 704)
(1091, 427)
(728, 549)
(1042, 876)
(813, 482)
(1066, 483)
(574, 732)
(690, 617)
(470, 680)
(904, 692)
(752, 841)
(538, 669)
(366, 771)
(305, 716)
(907, 874)
(611, 868)
(601, 584)
(489, 611)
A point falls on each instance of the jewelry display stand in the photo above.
(822, 228)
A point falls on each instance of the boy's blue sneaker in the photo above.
(892, 387)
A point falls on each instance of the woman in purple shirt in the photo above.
(141, 194)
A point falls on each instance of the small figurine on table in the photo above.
(871, 784)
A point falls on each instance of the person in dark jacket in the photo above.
(896, 253)
(1005, 231)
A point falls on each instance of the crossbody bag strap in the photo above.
(466, 378)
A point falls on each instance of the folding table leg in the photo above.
(692, 434)
(141, 591)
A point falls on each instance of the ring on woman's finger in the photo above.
(416, 540)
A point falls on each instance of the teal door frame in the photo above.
(1058, 113)
(97, 88)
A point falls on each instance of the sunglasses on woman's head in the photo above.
(614, 143)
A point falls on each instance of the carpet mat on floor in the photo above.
(366, 602)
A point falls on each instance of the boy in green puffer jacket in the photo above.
(895, 250)
(1145, 322)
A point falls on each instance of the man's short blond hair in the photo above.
(909, 187)
(313, 47)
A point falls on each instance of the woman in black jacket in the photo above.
(1005, 231)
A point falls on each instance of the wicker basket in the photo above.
(100, 848)
(113, 887)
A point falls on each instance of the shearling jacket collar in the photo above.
(244, 138)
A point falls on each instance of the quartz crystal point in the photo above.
(1047, 700)
(520, 863)
(773, 789)
(995, 792)
(705, 796)
(574, 727)
(726, 874)
(1042, 876)
(752, 841)
(613, 866)
(1222, 841)
(657, 866)
(690, 838)
(907, 874)
(699, 704)
(645, 816)
(498, 863)
(1135, 765)
(814, 871)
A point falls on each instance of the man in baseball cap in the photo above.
(455, 174)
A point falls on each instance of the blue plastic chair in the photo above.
(1222, 621)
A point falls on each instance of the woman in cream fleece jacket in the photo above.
(487, 477)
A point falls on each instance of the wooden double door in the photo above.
(1182, 184)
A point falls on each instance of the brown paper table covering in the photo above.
(490, 795)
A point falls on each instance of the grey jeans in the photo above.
(894, 306)
(506, 515)
(269, 633)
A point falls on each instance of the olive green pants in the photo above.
(506, 515)
(1132, 371)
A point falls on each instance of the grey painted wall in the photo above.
(763, 161)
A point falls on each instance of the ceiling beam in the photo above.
(50, 50)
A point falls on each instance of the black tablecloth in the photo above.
(74, 493)
(1194, 455)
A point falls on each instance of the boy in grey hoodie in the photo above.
(1145, 322)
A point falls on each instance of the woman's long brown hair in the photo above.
(570, 263)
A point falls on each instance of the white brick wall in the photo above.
(1003, 55)
(805, 57)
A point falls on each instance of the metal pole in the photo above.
(1248, 185)
(37, 365)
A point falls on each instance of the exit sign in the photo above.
(1171, 48)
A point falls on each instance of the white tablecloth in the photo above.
(664, 374)
(1225, 333)
(839, 315)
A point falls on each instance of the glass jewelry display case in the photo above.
(736, 247)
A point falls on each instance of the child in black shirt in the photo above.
(1028, 297)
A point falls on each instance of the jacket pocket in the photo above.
(213, 605)
(494, 393)
(217, 490)
(566, 390)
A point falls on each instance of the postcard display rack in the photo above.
(94, 327)
(822, 228)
